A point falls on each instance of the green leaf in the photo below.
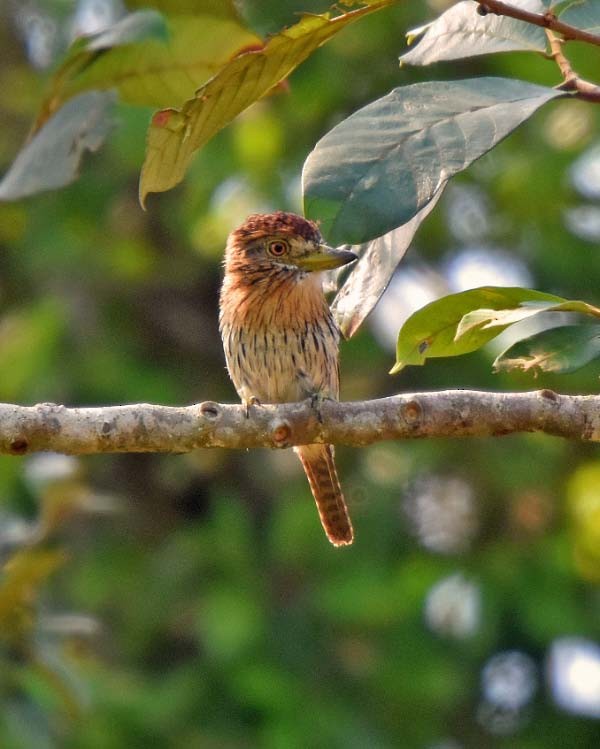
(379, 167)
(175, 135)
(222, 8)
(583, 504)
(462, 32)
(559, 350)
(51, 158)
(583, 15)
(482, 322)
(369, 277)
(22, 577)
(135, 27)
(431, 331)
(149, 61)
(488, 323)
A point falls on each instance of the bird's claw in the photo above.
(252, 401)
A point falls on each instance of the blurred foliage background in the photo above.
(193, 601)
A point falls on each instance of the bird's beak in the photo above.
(324, 258)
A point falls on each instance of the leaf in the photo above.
(585, 16)
(431, 330)
(351, 3)
(583, 504)
(175, 135)
(487, 319)
(135, 27)
(559, 350)
(369, 277)
(152, 69)
(51, 159)
(379, 167)
(461, 32)
(221, 8)
(22, 577)
(481, 325)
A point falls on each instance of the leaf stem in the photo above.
(546, 20)
(572, 82)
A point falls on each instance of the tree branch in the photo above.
(572, 82)
(149, 428)
(545, 20)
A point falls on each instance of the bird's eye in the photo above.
(277, 248)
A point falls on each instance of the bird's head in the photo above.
(280, 243)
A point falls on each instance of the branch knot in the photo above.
(281, 432)
(210, 410)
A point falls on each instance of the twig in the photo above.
(545, 20)
(149, 428)
(572, 82)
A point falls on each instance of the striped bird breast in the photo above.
(280, 347)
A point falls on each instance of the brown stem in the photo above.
(557, 54)
(544, 20)
(571, 81)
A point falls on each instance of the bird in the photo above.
(280, 338)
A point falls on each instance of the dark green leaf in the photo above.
(559, 350)
(378, 168)
(462, 32)
(370, 276)
(583, 15)
(51, 159)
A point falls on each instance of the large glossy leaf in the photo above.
(379, 167)
(583, 15)
(431, 330)
(148, 60)
(369, 277)
(462, 32)
(559, 350)
(51, 158)
(175, 135)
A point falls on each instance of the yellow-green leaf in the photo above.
(464, 322)
(21, 578)
(156, 70)
(175, 135)
(583, 503)
(222, 8)
(482, 325)
(432, 330)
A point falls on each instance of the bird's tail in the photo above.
(319, 467)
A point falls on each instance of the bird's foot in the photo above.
(316, 401)
(251, 401)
